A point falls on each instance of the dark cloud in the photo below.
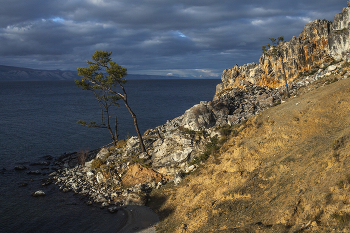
(183, 37)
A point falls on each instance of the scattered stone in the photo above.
(89, 202)
(125, 192)
(134, 199)
(104, 204)
(159, 185)
(191, 168)
(20, 168)
(102, 154)
(332, 68)
(47, 182)
(38, 193)
(100, 199)
(37, 172)
(53, 174)
(178, 178)
(113, 209)
(144, 155)
(66, 190)
(99, 177)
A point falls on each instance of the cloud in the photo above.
(183, 37)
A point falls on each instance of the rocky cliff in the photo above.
(318, 45)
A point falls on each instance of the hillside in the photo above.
(284, 170)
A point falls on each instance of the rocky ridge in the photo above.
(318, 45)
(122, 175)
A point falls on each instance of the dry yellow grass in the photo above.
(288, 167)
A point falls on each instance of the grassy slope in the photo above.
(287, 167)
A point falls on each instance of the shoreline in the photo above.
(139, 219)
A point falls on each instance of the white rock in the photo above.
(53, 174)
(132, 142)
(99, 177)
(181, 155)
(38, 193)
(125, 193)
(104, 204)
(332, 67)
(113, 209)
(89, 174)
(100, 199)
(114, 195)
(103, 152)
(191, 168)
(144, 155)
(88, 164)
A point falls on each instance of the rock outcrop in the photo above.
(319, 44)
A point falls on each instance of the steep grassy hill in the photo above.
(285, 170)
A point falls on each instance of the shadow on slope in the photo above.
(288, 170)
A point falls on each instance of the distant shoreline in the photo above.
(11, 73)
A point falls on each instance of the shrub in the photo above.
(120, 144)
(187, 131)
(225, 131)
(210, 149)
(96, 163)
(82, 155)
(338, 143)
(340, 184)
(341, 217)
(346, 64)
(330, 81)
(348, 178)
(202, 133)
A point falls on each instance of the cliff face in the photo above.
(317, 46)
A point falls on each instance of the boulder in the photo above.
(144, 155)
(332, 68)
(99, 177)
(178, 178)
(102, 154)
(137, 174)
(113, 209)
(198, 117)
(134, 199)
(38, 193)
(180, 156)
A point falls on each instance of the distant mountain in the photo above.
(11, 73)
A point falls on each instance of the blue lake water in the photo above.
(39, 118)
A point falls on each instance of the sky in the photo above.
(183, 38)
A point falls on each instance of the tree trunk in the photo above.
(112, 135)
(136, 126)
(109, 127)
(116, 130)
(285, 80)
